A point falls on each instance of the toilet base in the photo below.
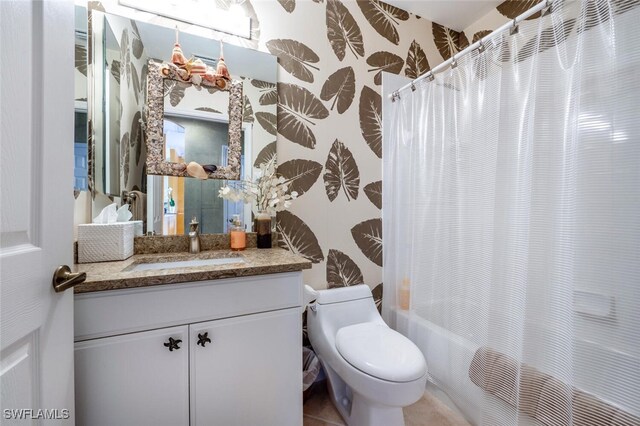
(368, 414)
(357, 410)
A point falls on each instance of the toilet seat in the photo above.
(381, 352)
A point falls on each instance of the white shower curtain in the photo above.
(511, 204)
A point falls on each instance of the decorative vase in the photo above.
(263, 229)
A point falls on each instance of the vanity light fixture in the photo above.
(197, 12)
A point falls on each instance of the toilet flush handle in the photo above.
(310, 295)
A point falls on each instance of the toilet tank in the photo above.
(340, 307)
(343, 294)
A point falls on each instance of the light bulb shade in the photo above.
(207, 16)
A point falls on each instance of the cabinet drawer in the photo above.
(109, 313)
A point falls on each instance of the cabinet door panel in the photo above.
(250, 373)
(133, 379)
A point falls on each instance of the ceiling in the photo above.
(454, 14)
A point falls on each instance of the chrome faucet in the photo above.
(194, 237)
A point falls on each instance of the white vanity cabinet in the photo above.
(239, 361)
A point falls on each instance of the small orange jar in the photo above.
(238, 235)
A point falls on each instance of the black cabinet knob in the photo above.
(172, 344)
(203, 339)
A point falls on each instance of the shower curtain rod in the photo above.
(513, 24)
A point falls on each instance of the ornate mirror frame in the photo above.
(154, 136)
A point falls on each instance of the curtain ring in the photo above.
(430, 76)
(454, 63)
(413, 86)
(514, 27)
(547, 9)
(481, 47)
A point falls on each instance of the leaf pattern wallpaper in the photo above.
(327, 132)
(247, 111)
(300, 174)
(297, 237)
(448, 41)
(384, 61)
(81, 60)
(288, 5)
(268, 92)
(208, 109)
(371, 119)
(341, 173)
(295, 58)
(331, 57)
(341, 87)
(265, 155)
(343, 31)
(129, 70)
(341, 270)
(384, 18)
(298, 109)
(477, 36)
(267, 121)
(132, 95)
(368, 236)
(374, 193)
(512, 8)
(417, 62)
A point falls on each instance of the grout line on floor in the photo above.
(331, 422)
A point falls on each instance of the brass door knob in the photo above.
(63, 278)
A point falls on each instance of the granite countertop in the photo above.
(117, 275)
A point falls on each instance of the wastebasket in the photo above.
(311, 369)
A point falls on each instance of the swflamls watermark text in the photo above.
(31, 414)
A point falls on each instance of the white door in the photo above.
(134, 379)
(36, 209)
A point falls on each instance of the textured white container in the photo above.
(138, 228)
(98, 242)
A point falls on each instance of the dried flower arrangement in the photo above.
(268, 193)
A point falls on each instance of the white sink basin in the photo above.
(185, 264)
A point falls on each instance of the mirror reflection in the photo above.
(80, 150)
(195, 123)
(110, 155)
(195, 127)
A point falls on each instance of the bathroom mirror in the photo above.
(107, 57)
(195, 126)
(119, 159)
(165, 91)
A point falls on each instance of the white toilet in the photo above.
(373, 371)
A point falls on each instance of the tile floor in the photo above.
(429, 411)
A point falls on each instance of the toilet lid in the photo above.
(381, 352)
